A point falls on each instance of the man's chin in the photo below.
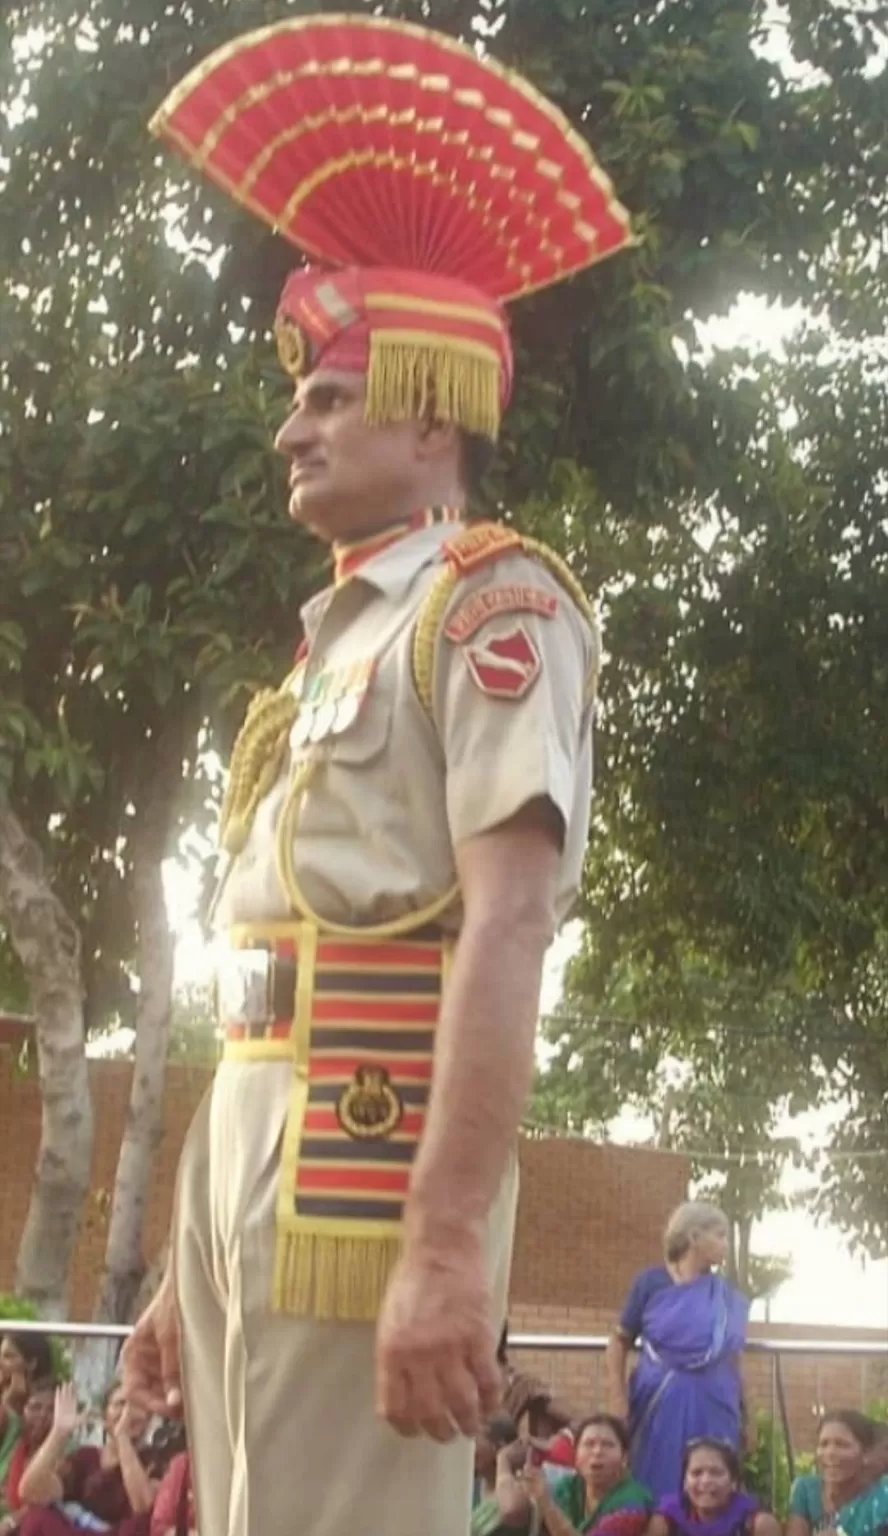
(308, 504)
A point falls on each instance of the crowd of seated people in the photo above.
(55, 1483)
(665, 1460)
(519, 1492)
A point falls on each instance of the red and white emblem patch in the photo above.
(505, 666)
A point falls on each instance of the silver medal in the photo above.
(301, 730)
(322, 723)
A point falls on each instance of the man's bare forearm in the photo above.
(482, 1074)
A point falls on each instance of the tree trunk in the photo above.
(48, 945)
(744, 1239)
(733, 1246)
(125, 1265)
(664, 1130)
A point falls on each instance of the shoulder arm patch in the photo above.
(507, 666)
(479, 545)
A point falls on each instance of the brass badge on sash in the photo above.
(369, 1108)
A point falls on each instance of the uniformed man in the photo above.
(405, 817)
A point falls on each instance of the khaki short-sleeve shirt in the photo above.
(394, 793)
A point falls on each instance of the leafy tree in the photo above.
(138, 485)
(741, 809)
(709, 1060)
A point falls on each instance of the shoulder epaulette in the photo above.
(477, 546)
(480, 545)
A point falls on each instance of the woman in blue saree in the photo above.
(689, 1325)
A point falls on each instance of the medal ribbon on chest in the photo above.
(331, 701)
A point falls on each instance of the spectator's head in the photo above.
(38, 1412)
(113, 1405)
(498, 1432)
(877, 1460)
(26, 1355)
(845, 1446)
(697, 1232)
(602, 1451)
(710, 1475)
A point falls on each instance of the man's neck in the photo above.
(349, 556)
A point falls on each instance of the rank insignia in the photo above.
(504, 666)
(480, 544)
(369, 1109)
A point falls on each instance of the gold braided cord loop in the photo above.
(429, 624)
(430, 620)
(256, 760)
(288, 829)
(562, 572)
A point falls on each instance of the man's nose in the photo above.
(295, 436)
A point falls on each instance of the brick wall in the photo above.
(588, 1218)
(583, 1224)
(20, 1122)
(813, 1382)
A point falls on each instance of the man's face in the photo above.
(348, 478)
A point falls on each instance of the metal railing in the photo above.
(569, 1343)
(561, 1343)
(596, 1343)
(66, 1330)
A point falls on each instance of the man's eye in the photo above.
(326, 399)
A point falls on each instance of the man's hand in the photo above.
(436, 1370)
(150, 1357)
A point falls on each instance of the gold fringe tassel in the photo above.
(450, 380)
(332, 1278)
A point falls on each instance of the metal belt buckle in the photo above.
(245, 988)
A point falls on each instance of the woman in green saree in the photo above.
(843, 1496)
(601, 1496)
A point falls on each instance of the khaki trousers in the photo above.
(280, 1410)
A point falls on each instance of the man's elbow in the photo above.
(522, 926)
(510, 876)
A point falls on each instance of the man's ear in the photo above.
(437, 440)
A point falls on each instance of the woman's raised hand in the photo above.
(66, 1414)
